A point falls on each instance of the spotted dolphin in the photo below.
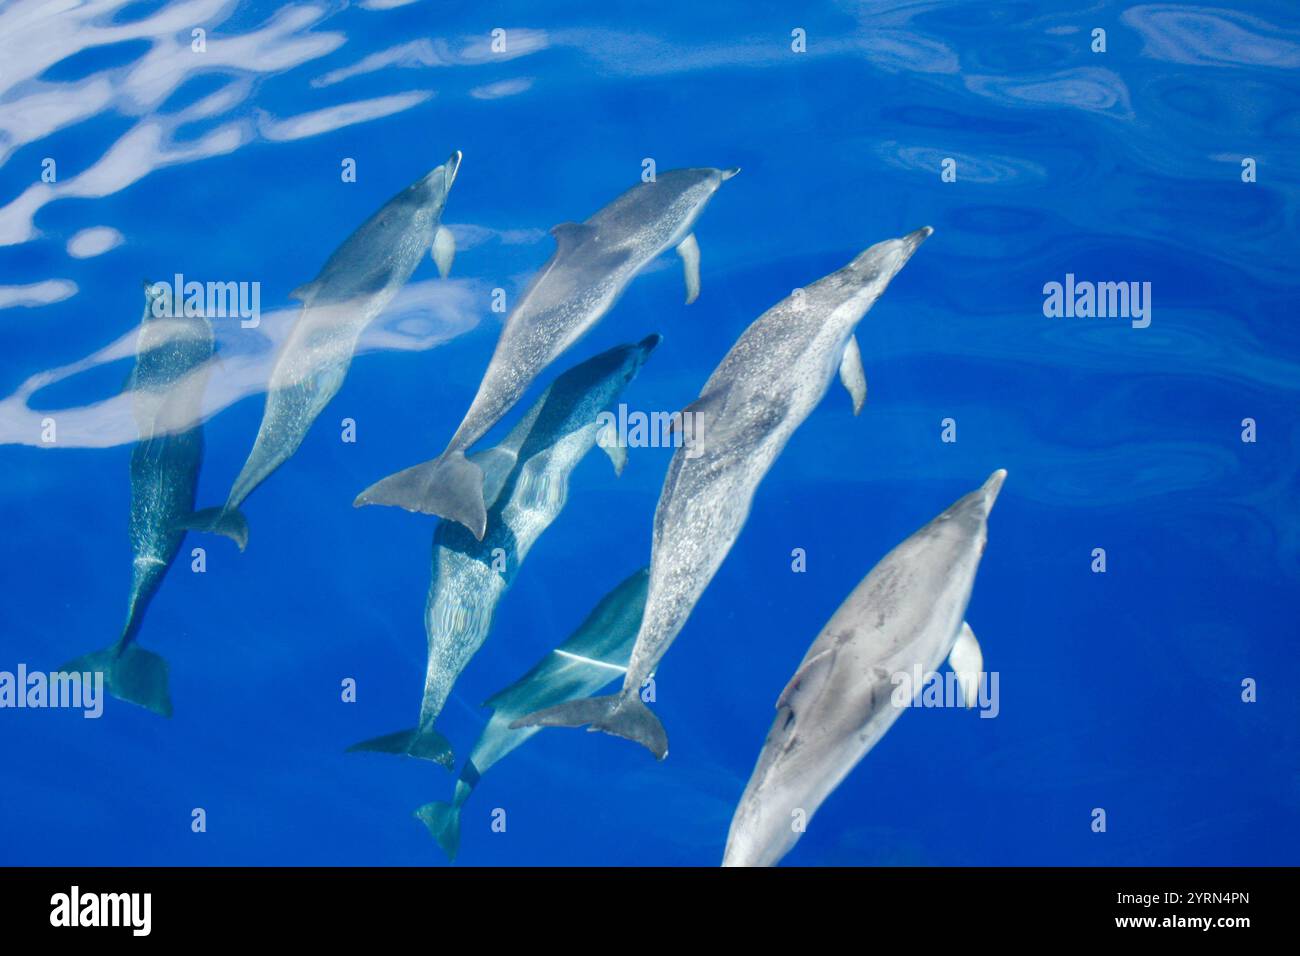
(353, 288)
(173, 359)
(592, 264)
(770, 381)
(907, 615)
(527, 482)
(595, 654)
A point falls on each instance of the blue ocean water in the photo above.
(1120, 691)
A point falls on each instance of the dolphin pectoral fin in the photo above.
(967, 661)
(620, 716)
(689, 250)
(443, 823)
(131, 674)
(304, 291)
(852, 375)
(231, 524)
(607, 439)
(424, 744)
(450, 487)
(443, 250)
(570, 235)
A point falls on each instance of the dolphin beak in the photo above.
(650, 342)
(451, 167)
(914, 239)
(992, 487)
(728, 173)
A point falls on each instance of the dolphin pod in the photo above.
(595, 654)
(770, 381)
(909, 612)
(592, 264)
(357, 281)
(527, 477)
(173, 358)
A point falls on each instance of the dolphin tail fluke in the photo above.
(443, 822)
(131, 674)
(232, 524)
(450, 487)
(616, 714)
(424, 744)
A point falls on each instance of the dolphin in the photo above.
(173, 359)
(592, 264)
(909, 612)
(595, 654)
(353, 288)
(527, 478)
(770, 381)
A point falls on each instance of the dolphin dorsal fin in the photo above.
(304, 291)
(709, 402)
(570, 235)
(967, 661)
(852, 375)
(607, 439)
(810, 676)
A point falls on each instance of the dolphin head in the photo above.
(630, 358)
(882, 261)
(432, 189)
(968, 516)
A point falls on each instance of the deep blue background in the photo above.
(1119, 691)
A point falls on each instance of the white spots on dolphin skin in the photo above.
(503, 88)
(199, 562)
(1248, 430)
(49, 170)
(349, 433)
(1248, 170)
(348, 170)
(948, 431)
(1099, 40)
(499, 820)
(36, 293)
(799, 40)
(94, 241)
(1098, 820)
(199, 820)
(1098, 560)
(1200, 36)
(336, 117)
(798, 560)
(1248, 690)
(349, 690)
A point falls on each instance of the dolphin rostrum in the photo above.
(527, 479)
(353, 288)
(907, 614)
(593, 262)
(770, 381)
(595, 654)
(173, 359)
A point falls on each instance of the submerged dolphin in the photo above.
(173, 358)
(768, 383)
(527, 478)
(593, 262)
(354, 286)
(907, 613)
(594, 655)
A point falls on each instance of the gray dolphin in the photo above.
(770, 381)
(593, 262)
(595, 654)
(173, 358)
(527, 478)
(907, 614)
(354, 286)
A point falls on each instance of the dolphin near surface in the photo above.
(595, 654)
(908, 613)
(354, 286)
(527, 479)
(770, 381)
(592, 264)
(173, 359)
